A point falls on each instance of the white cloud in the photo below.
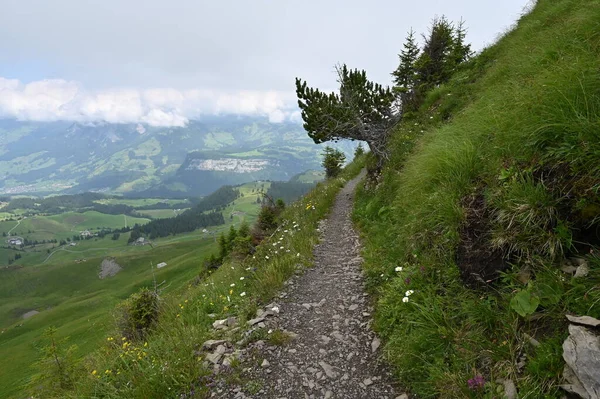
(57, 99)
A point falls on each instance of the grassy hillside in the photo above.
(66, 291)
(491, 188)
(164, 365)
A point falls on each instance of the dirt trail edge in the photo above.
(333, 353)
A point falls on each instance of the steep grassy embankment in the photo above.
(499, 170)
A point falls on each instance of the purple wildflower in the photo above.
(407, 280)
(476, 382)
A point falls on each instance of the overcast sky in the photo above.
(165, 62)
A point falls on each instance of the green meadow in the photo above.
(63, 283)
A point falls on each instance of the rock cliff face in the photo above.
(231, 165)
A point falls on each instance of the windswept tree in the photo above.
(362, 110)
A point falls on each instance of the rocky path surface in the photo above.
(333, 353)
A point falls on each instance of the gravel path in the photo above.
(334, 354)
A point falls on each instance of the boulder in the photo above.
(581, 352)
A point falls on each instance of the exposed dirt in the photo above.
(109, 268)
(30, 314)
(479, 264)
(333, 353)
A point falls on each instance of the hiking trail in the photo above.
(333, 353)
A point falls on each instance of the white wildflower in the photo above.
(409, 292)
(243, 293)
(232, 285)
(405, 299)
(242, 278)
(398, 269)
(266, 256)
(281, 247)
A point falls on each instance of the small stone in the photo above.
(338, 335)
(568, 269)
(534, 342)
(375, 344)
(328, 369)
(328, 395)
(353, 307)
(255, 321)
(582, 271)
(231, 321)
(220, 324)
(325, 339)
(367, 382)
(585, 320)
(265, 363)
(214, 358)
(306, 306)
(403, 396)
(510, 391)
(212, 344)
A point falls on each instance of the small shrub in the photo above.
(359, 151)
(57, 366)
(332, 161)
(138, 314)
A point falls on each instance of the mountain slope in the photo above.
(127, 158)
(488, 205)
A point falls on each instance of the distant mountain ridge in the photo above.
(130, 159)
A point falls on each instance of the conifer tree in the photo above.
(461, 51)
(223, 246)
(333, 160)
(231, 238)
(405, 75)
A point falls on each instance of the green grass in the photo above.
(71, 296)
(517, 130)
(60, 227)
(164, 364)
(64, 285)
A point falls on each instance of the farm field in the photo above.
(161, 213)
(139, 202)
(63, 283)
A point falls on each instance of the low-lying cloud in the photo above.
(58, 99)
